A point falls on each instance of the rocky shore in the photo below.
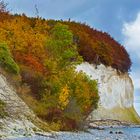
(102, 124)
(95, 130)
(125, 133)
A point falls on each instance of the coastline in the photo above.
(102, 124)
(95, 130)
(92, 134)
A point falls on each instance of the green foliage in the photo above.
(61, 34)
(6, 59)
(60, 47)
(65, 89)
(62, 87)
(2, 109)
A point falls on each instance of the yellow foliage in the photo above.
(64, 97)
(55, 126)
(22, 37)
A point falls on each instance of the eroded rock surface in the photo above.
(116, 93)
(18, 122)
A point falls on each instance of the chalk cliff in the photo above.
(18, 120)
(116, 101)
(116, 93)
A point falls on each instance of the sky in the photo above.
(120, 18)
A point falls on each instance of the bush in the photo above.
(67, 96)
(6, 59)
(2, 109)
(62, 34)
(60, 47)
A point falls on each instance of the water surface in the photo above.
(93, 134)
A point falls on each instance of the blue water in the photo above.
(93, 134)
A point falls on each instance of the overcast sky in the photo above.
(120, 18)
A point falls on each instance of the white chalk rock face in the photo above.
(17, 122)
(115, 91)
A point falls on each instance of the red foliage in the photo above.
(54, 114)
(69, 124)
(30, 61)
(99, 47)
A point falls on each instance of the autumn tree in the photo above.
(61, 48)
(3, 7)
(4, 13)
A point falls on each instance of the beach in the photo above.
(120, 133)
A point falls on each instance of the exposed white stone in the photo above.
(17, 123)
(115, 89)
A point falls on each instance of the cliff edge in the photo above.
(116, 93)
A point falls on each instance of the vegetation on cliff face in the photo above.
(6, 59)
(62, 93)
(45, 54)
(2, 109)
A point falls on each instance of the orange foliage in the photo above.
(99, 47)
(28, 36)
(30, 61)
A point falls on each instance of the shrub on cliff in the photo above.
(64, 97)
(6, 59)
(60, 47)
(2, 109)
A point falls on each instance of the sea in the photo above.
(92, 134)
